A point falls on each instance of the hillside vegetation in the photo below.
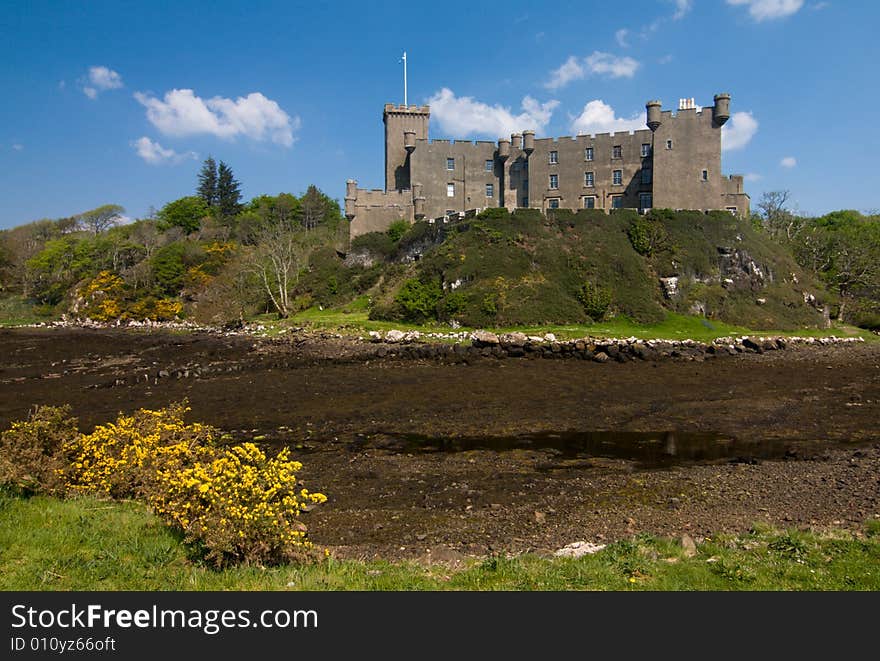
(503, 269)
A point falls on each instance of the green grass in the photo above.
(674, 327)
(88, 544)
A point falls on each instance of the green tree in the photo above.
(318, 209)
(228, 191)
(101, 219)
(208, 183)
(186, 213)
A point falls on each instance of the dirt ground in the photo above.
(422, 459)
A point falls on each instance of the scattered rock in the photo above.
(688, 546)
(578, 549)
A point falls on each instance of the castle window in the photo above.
(490, 190)
(617, 177)
(646, 175)
(645, 200)
(646, 149)
(704, 175)
(554, 157)
(669, 144)
(525, 201)
(489, 166)
(589, 202)
(450, 163)
(588, 154)
(554, 181)
(588, 179)
(553, 203)
(617, 151)
(617, 201)
(450, 190)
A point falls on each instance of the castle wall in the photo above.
(375, 210)
(468, 177)
(696, 146)
(572, 166)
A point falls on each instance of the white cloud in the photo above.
(100, 79)
(620, 37)
(464, 116)
(764, 10)
(155, 154)
(599, 117)
(738, 131)
(682, 7)
(788, 162)
(818, 6)
(598, 63)
(752, 176)
(17, 147)
(570, 70)
(254, 116)
(611, 65)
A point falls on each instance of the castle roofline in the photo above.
(412, 108)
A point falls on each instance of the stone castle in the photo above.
(675, 163)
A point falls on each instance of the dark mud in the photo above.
(432, 460)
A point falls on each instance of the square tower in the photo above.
(403, 126)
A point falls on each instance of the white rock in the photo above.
(578, 549)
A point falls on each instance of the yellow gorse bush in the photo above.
(235, 503)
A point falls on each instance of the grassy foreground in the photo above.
(89, 544)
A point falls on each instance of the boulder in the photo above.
(483, 338)
(394, 336)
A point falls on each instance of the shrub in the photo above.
(120, 459)
(647, 235)
(418, 300)
(397, 229)
(595, 299)
(102, 296)
(234, 504)
(29, 451)
(237, 505)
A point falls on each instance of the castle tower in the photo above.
(404, 125)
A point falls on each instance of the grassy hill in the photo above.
(521, 268)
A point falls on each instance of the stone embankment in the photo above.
(485, 344)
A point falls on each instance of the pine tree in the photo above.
(228, 191)
(208, 187)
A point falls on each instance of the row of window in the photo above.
(616, 152)
(616, 178)
(645, 201)
(450, 164)
(450, 190)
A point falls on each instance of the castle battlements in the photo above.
(674, 162)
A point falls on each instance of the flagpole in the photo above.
(404, 78)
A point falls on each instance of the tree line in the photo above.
(208, 253)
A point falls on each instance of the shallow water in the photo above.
(659, 449)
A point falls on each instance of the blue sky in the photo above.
(119, 102)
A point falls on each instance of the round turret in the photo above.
(409, 141)
(503, 149)
(516, 140)
(528, 142)
(721, 111)
(350, 198)
(654, 109)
